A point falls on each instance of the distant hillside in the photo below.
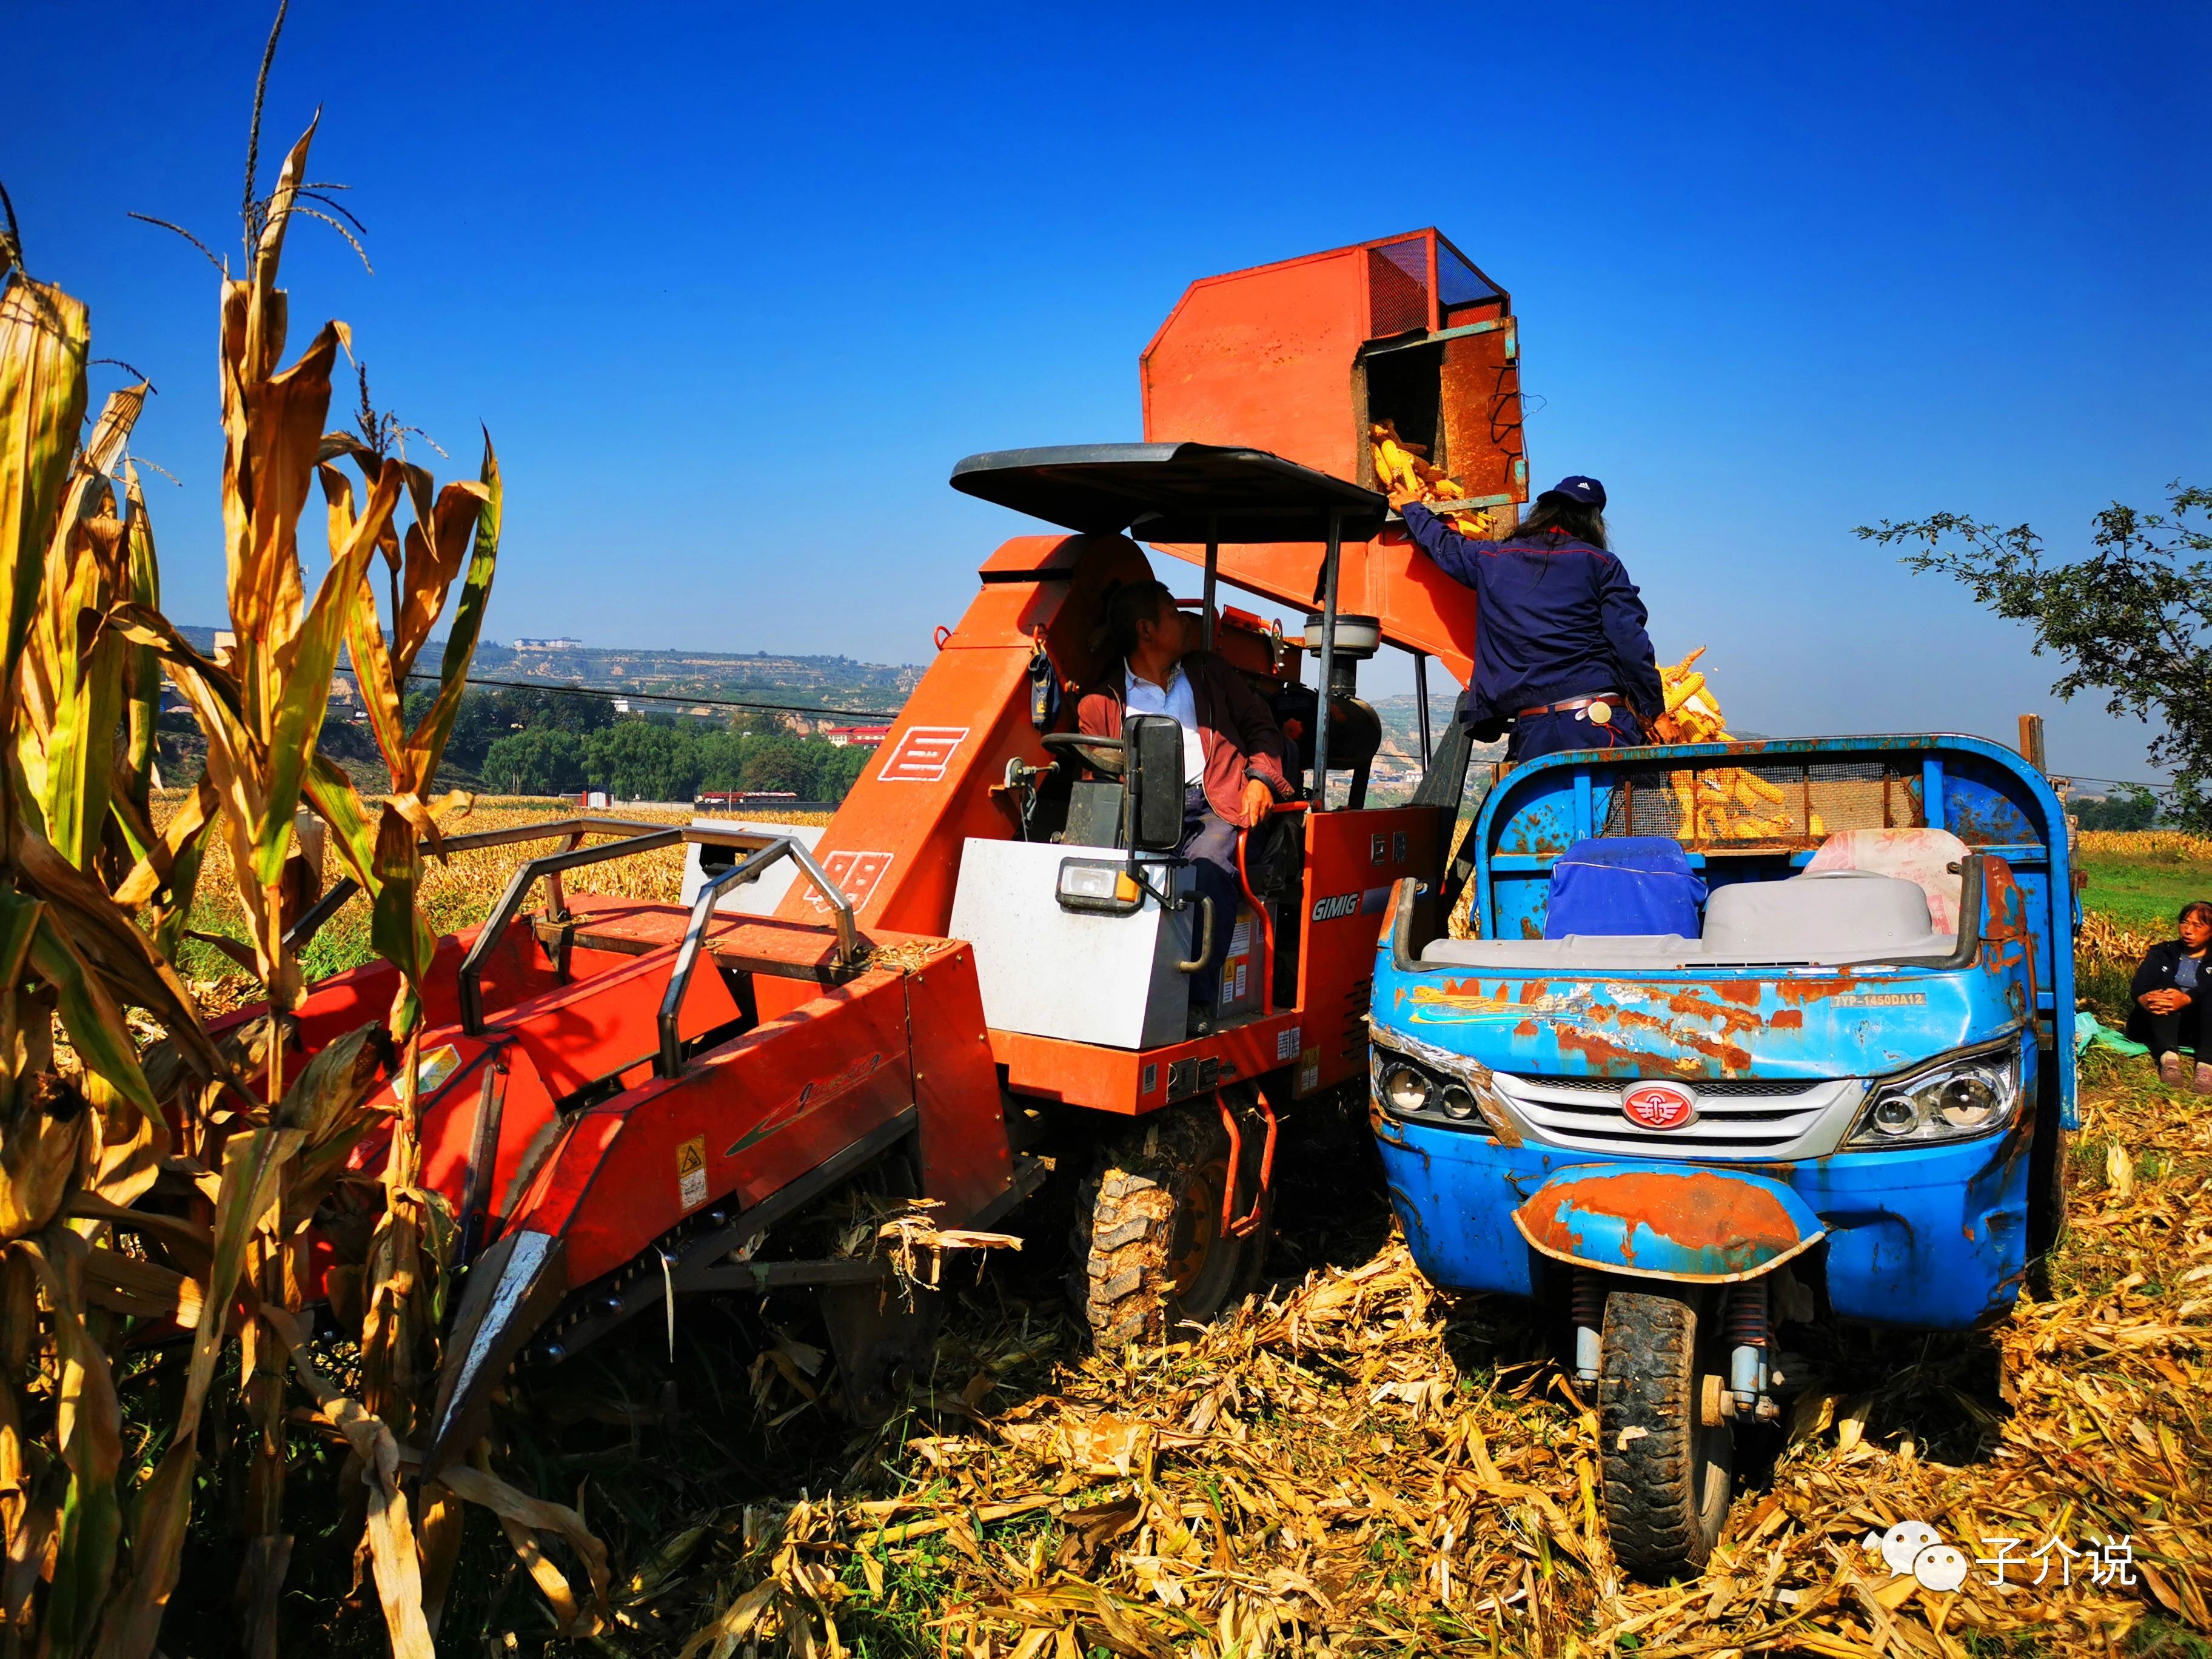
(804, 681)
(812, 682)
(1398, 765)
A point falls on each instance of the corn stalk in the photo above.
(165, 1191)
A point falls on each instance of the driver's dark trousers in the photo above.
(1209, 841)
(2189, 1026)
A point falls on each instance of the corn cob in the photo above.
(1728, 805)
(1402, 466)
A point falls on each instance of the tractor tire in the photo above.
(1666, 1475)
(1148, 1252)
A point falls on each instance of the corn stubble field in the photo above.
(1355, 1463)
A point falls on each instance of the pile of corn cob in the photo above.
(1402, 466)
(1730, 804)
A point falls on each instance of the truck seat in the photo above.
(1929, 858)
(1636, 885)
(1836, 915)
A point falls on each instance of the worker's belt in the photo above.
(1611, 699)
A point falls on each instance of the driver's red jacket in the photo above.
(1236, 728)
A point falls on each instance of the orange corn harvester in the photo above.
(980, 968)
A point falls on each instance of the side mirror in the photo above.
(1154, 782)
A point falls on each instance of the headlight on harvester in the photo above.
(1956, 1099)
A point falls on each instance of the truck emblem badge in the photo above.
(1340, 904)
(922, 754)
(1657, 1105)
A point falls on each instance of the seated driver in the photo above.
(1232, 750)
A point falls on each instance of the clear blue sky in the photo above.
(734, 286)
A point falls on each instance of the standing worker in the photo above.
(1561, 651)
(1232, 750)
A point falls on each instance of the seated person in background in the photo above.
(1232, 750)
(2172, 996)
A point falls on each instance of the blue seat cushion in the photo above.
(1623, 884)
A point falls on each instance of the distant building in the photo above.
(549, 645)
(622, 705)
(857, 737)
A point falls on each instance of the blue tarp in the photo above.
(1623, 884)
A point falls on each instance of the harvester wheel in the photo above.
(1667, 1472)
(1149, 1252)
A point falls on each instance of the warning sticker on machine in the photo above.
(1309, 1070)
(691, 1173)
(1286, 1044)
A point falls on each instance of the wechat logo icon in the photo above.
(1915, 1547)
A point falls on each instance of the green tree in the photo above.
(2130, 806)
(782, 763)
(537, 761)
(2132, 618)
(840, 769)
(642, 760)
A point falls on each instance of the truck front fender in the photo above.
(1692, 1224)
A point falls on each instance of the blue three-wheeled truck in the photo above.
(1745, 1033)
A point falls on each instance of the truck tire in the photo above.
(1666, 1475)
(1148, 1252)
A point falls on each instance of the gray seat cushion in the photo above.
(1834, 918)
(1830, 916)
(1577, 950)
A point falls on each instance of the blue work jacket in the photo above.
(1556, 618)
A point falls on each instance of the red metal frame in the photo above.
(1231, 1227)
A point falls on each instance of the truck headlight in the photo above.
(1955, 1099)
(1406, 1089)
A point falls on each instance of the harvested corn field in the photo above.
(1355, 1464)
(459, 891)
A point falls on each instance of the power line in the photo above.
(871, 714)
(2125, 783)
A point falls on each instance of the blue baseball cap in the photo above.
(1575, 488)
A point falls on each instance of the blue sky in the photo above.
(733, 287)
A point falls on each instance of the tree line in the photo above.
(553, 742)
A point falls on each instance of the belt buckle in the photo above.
(1597, 711)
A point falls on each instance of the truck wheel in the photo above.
(1665, 1474)
(1148, 1252)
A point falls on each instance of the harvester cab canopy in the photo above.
(1203, 495)
(1190, 493)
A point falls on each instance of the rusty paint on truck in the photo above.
(1678, 1224)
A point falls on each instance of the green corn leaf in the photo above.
(330, 791)
(381, 691)
(429, 741)
(396, 929)
(18, 922)
(306, 694)
(174, 920)
(91, 1427)
(102, 934)
(252, 1160)
(44, 337)
(95, 1025)
(80, 749)
(143, 669)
